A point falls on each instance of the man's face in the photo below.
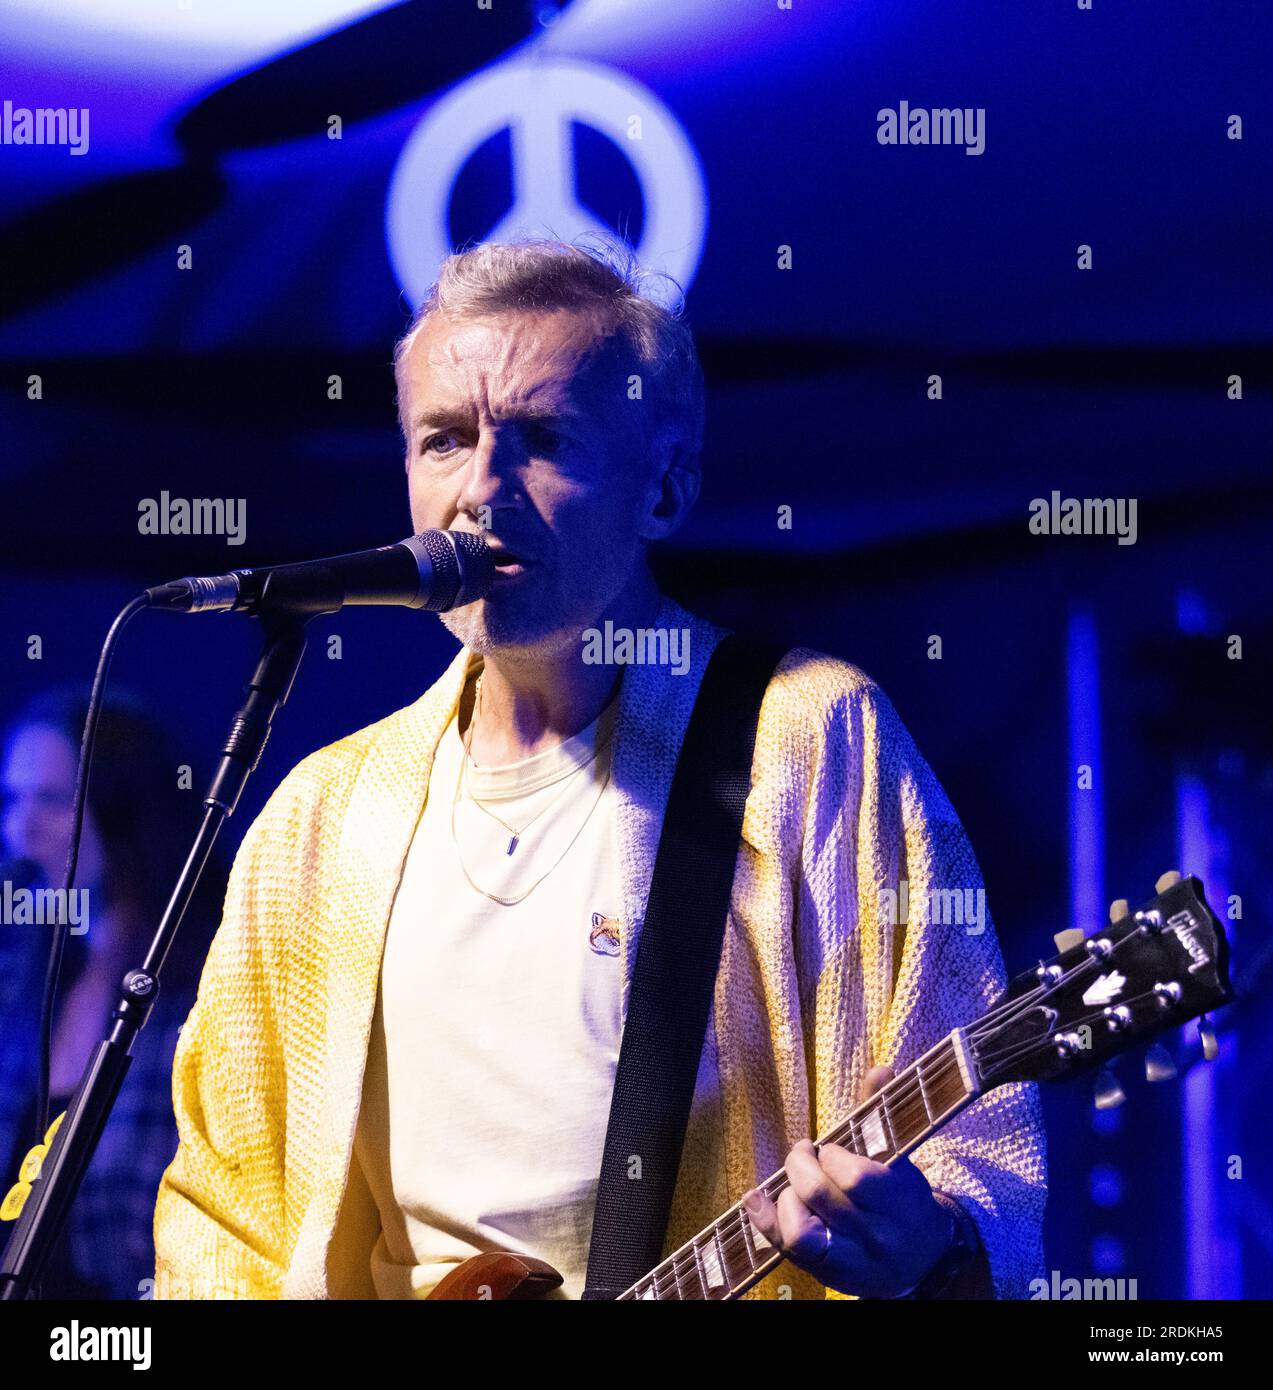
(519, 424)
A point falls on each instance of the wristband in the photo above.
(958, 1253)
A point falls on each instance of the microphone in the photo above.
(436, 571)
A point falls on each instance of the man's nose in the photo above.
(490, 479)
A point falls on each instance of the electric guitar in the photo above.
(1150, 971)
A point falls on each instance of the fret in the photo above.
(738, 1266)
(745, 1229)
(951, 1089)
(908, 1108)
(676, 1279)
(757, 1242)
(923, 1093)
(647, 1284)
(720, 1269)
(854, 1137)
(873, 1131)
(713, 1267)
(895, 1120)
(762, 1254)
(908, 1112)
(730, 1281)
(894, 1146)
(698, 1265)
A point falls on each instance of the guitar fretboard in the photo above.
(727, 1258)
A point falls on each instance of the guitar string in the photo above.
(978, 1031)
(731, 1230)
(895, 1096)
(730, 1233)
(905, 1089)
(891, 1096)
(1097, 1016)
(689, 1256)
(1089, 962)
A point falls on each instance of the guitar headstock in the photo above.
(1152, 970)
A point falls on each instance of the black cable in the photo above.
(54, 971)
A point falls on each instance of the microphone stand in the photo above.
(77, 1136)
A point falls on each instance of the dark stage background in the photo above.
(1110, 128)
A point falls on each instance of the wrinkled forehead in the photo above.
(501, 361)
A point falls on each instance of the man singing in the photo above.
(405, 1040)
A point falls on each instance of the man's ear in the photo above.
(674, 489)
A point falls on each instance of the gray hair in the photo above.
(535, 274)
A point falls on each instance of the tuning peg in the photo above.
(1109, 1095)
(1158, 1064)
(1167, 880)
(1068, 939)
(1207, 1037)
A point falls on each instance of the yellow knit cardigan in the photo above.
(265, 1199)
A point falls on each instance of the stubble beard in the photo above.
(523, 630)
(482, 628)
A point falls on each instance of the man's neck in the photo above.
(530, 703)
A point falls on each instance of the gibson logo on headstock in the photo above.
(1185, 929)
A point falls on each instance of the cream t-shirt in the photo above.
(497, 1028)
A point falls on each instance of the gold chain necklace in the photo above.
(495, 897)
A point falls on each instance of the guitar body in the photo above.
(498, 1276)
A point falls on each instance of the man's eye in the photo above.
(427, 446)
(544, 438)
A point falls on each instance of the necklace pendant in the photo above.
(512, 844)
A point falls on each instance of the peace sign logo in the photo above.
(536, 102)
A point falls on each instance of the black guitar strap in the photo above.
(675, 969)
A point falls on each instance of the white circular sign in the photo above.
(536, 102)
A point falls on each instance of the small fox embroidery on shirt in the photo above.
(604, 936)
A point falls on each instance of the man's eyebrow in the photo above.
(438, 417)
(545, 412)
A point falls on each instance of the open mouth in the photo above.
(508, 564)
